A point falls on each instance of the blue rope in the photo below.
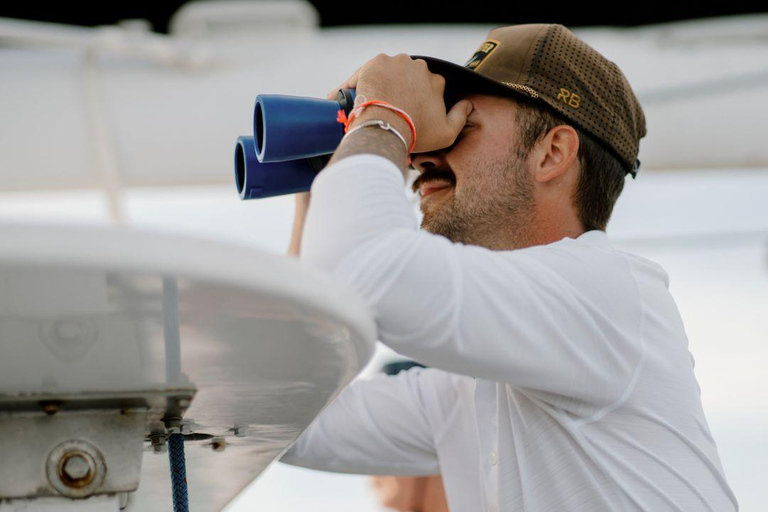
(178, 473)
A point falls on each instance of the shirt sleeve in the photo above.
(375, 427)
(563, 318)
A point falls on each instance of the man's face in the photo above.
(478, 191)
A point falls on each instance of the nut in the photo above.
(159, 444)
(76, 469)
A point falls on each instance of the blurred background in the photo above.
(128, 115)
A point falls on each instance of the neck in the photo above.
(548, 234)
(541, 230)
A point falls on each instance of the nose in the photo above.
(430, 160)
(431, 165)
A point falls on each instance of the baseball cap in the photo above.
(547, 63)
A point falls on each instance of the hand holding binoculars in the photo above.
(293, 139)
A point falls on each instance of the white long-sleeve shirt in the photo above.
(560, 374)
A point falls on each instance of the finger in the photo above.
(457, 116)
(349, 83)
(439, 82)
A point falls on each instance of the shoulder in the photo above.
(589, 264)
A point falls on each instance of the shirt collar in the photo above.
(595, 237)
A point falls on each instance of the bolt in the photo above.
(187, 426)
(218, 444)
(158, 444)
(51, 407)
(173, 425)
(77, 469)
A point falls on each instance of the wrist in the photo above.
(394, 119)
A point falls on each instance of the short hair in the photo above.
(602, 174)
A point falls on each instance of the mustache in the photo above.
(429, 175)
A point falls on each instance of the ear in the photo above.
(555, 153)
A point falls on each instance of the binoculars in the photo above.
(293, 139)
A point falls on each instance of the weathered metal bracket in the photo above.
(81, 445)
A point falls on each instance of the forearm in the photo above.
(300, 216)
(354, 200)
(373, 141)
(358, 433)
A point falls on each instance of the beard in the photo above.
(494, 208)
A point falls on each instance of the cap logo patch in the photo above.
(482, 53)
(569, 98)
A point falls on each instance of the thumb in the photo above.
(457, 116)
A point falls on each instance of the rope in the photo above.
(178, 473)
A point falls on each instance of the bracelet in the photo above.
(384, 125)
(342, 118)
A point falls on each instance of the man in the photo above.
(560, 376)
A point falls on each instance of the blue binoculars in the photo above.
(293, 139)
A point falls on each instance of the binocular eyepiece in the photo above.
(293, 138)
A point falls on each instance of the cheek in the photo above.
(471, 184)
(482, 168)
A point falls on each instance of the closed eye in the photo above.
(463, 132)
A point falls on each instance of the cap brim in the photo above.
(460, 81)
